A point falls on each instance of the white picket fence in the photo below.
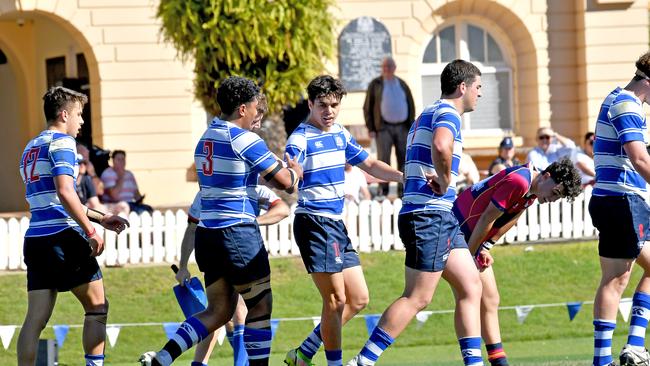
(372, 226)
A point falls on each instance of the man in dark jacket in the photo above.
(389, 111)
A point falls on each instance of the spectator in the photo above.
(356, 186)
(90, 169)
(389, 111)
(506, 158)
(120, 185)
(583, 159)
(551, 146)
(467, 173)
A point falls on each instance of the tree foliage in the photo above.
(281, 44)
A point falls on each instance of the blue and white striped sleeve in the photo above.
(354, 153)
(628, 121)
(450, 121)
(254, 151)
(63, 155)
(297, 146)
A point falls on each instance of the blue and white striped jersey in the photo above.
(621, 119)
(49, 154)
(266, 198)
(228, 161)
(323, 156)
(418, 196)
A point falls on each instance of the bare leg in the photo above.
(92, 298)
(614, 279)
(356, 293)
(332, 290)
(40, 304)
(462, 275)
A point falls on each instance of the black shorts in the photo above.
(324, 244)
(59, 261)
(622, 223)
(236, 253)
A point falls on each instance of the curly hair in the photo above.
(563, 172)
(325, 85)
(455, 73)
(235, 91)
(58, 98)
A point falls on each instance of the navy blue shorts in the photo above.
(428, 237)
(236, 253)
(324, 244)
(59, 261)
(622, 223)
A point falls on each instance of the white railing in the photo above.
(372, 226)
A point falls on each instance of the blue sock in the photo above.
(334, 358)
(470, 348)
(229, 336)
(376, 345)
(238, 349)
(197, 363)
(94, 360)
(603, 332)
(639, 320)
(257, 343)
(191, 332)
(312, 343)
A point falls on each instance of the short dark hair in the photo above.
(643, 65)
(563, 172)
(325, 85)
(455, 73)
(235, 91)
(58, 98)
(117, 152)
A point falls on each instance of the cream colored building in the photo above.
(545, 62)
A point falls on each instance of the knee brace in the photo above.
(253, 295)
(99, 317)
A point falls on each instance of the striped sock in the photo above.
(603, 332)
(639, 321)
(496, 354)
(334, 358)
(229, 336)
(94, 360)
(470, 349)
(312, 343)
(257, 343)
(238, 348)
(191, 332)
(376, 345)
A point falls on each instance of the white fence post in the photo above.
(170, 237)
(364, 226)
(375, 225)
(134, 230)
(556, 224)
(567, 216)
(15, 243)
(4, 245)
(146, 224)
(158, 249)
(386, 225)
(397, 206)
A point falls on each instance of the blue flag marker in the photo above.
(371, 322)
(170, 329)
(573, 308)
(60, 332)
(274, 327)
(190, 297)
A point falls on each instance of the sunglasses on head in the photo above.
(544, 137)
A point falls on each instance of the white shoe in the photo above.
(354, 362)
(631, 357)
(148, 359)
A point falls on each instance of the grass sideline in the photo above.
(547, 274)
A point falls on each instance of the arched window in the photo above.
(470, 42)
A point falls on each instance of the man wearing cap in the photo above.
(506, 158)
(551, 146)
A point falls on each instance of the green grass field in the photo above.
(548, 274)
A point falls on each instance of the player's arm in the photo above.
(483, 227)
(505, 228)
(276, 212)
(442, 149)
(381, 170)
(187, 246)
(284, 178)
(639, 158)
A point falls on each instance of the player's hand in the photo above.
(294, 164)
(114, 223)
(438, 187)
(483, 259)
(183, 276)
(96, 245)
